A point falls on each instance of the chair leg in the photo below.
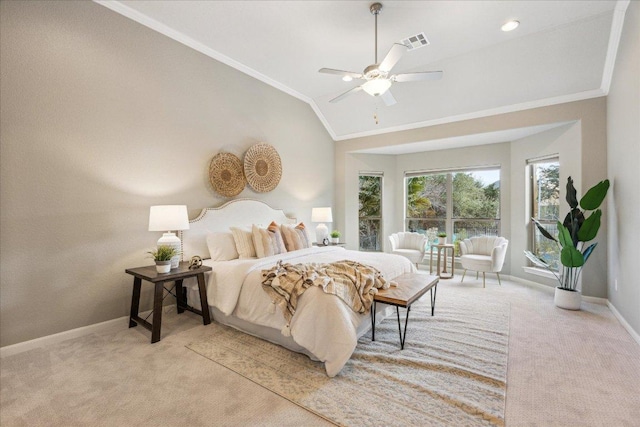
(477, 275)
(483, 284)
(465, 272)
(499, 282)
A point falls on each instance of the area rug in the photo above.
(452, 371)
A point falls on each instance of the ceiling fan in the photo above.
(376, 76)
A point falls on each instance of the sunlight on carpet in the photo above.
(452, 370)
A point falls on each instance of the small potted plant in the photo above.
(442, 238)
(580, 226)
(162, 256)
(335, 236)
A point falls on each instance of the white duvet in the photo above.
(323, 324)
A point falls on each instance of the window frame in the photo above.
(449, 219)
(531, 209)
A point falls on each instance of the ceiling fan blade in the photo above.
(416, 77)
(393, 56)
(341, 73)
(347, 93)
(388, 98)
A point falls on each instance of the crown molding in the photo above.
(614, 42)
(148, 22)
(580, 96)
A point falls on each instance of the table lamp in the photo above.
(169, 218)
(321, 215)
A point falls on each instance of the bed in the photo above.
(323, 326)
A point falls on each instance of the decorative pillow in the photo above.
(268, 242)
(295, 238)
(244, 242)
(222, 246)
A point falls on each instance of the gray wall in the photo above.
(565, 141)
(581, 143)
(102, 118)
(623, 151)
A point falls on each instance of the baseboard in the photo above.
(595, 300)
(624, 323)
(10, 350)
(530, 283)
(550, 289)
(107, 326)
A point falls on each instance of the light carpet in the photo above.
(452, 370)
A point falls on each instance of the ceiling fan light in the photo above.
(347, 78)
(376, 87)
(510, 26)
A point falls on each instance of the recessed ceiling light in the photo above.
(510, 26)
(347, 78)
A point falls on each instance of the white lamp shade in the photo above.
(321, 215)
(168, 217)
(377, 86)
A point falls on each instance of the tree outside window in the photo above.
(370, 212)
(462, 204)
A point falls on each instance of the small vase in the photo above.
(569, 300)
(163, 266)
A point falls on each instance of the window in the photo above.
(462, 203)
(544, 178)
(370, 212)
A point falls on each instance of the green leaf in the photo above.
(571, 257)
(564, 237)
(587, 252)
(573, 221)
(594, 197)
(536, 260)
(571, 194)
(543, 230)
(590, 227)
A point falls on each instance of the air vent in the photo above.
(415, 42)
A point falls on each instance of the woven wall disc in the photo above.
(262, 167)
(225, 174)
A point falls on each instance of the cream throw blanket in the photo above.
(354, 283)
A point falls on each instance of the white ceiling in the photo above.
(562, 51)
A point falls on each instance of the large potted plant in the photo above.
(578, 228)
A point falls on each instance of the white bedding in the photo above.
(323, 324)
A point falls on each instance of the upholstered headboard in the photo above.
(236, 213)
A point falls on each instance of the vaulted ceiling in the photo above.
(562, 51)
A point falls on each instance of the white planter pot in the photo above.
(569, 300)
(163, 266)
(335, 240)
(442, 240)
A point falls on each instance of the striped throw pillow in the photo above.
(244, 242)
(295, 238)
(268, 242)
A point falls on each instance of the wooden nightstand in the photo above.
(177, 275)
(330, 244)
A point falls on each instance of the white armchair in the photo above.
(408, 244)
(483, 253)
